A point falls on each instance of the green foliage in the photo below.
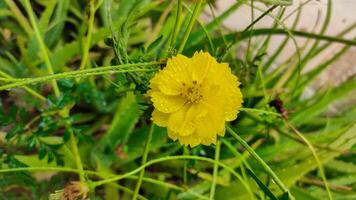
(94, 130)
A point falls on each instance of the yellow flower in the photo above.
(193, 97)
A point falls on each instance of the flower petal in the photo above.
(208, 140)
(173, 135)
(211, 124)
(154, 82)
(169, 85)
(166, 103)
(160, 118)
(181, 122)
(233, 104)
(201, 65)
(191, 140)
(179, 67)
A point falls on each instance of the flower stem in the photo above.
(216, 168)
(185, 165)
(190, 26)
(259, 159)
(144, 160)
(74, 148)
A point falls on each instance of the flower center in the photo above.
(192, 93)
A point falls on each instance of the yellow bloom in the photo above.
(193, 97)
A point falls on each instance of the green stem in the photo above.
(99, 174)
(201, 24)
(216, 170)
(59, 169)
(42, 46)
(316, 157)
(259, 159)
(29, 90)
(126, 189)
(86, 45)
(176, 25)
(252, 110)
(167, 158)
(190, 26)
(322, 31)
(144, 160)
(81, 73)
(248, 51)
(78, 161)
(238, 36)
(185, 165)
(280, 48)
(130, 174)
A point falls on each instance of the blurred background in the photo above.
(312, 17)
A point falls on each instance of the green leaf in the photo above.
(46, 16)
(300, 193)
(260, 184)
(126, 116)
(34, 161)
(57, 25)
(194, 191)
(123, 123)
(285, 196)
(320, 102)
(341, 166)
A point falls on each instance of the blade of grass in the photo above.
(206, 32)
(177, 24)
(297, 71)
(198, 35)
(22, 20)
(190, 26)
(267, 31)
(216, 170)
(310, 76)
(87, 43)
(143, 162)
(316, 157)
(281, 47)
(259, 159)
(42, 46)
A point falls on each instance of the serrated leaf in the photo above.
(14, 131)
